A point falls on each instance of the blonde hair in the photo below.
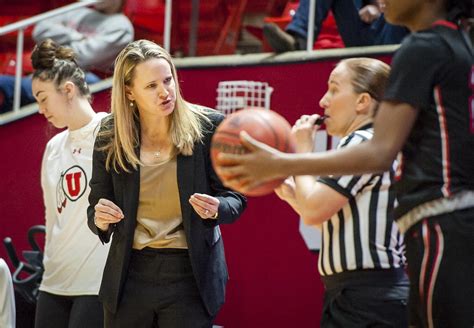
(122, 128)
(368, 75)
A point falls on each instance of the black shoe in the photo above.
(279, 40)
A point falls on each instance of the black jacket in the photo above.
(206, 250)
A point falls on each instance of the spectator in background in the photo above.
(7, 297)
(360, 23)
(96, 35)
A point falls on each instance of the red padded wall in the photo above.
(273, 277)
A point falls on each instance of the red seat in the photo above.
(329, 37)
(8, 47)
(218, 27)
(147, 17)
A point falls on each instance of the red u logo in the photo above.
(73, 181)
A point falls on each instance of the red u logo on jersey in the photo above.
(73, 181)
(71, 186)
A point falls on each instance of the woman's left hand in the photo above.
(205, 206)
(286, 191)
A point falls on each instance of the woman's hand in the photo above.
(286, 191)
(205, 206)
(304, 133)
(106, 213)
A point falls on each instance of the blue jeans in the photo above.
(353, 30)
(7, 87)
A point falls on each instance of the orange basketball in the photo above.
(261, 124)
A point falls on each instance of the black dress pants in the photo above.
(160, 291)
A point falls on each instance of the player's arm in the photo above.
(392, 126)
(409, 89)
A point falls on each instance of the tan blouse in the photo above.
(159, 219)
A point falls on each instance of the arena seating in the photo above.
(219, 27)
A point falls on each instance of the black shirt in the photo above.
(433, 71)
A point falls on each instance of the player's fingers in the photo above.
(240, 183)
(247, 185)
(232, 183)
(249, 142)
(227, 172)
(228, 160)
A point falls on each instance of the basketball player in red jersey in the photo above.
(428, 115)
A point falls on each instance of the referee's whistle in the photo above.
(320, 120)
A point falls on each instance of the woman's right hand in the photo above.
(304, 131)
(106, 213)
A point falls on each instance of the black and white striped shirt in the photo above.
(363, 234)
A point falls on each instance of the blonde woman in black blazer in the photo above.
(156, 195)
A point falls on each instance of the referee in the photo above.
(362, 255)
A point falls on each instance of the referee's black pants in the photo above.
(440, 254)
(366, 298)
(160, 291)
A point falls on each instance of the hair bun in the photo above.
(46, 52)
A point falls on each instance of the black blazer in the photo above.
(206, 250)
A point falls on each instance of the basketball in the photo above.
(261, 124)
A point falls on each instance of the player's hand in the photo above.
(286, 191)
(205, 206)
(304, 133)
(369, 13)
(106, 213)
(246, 171)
